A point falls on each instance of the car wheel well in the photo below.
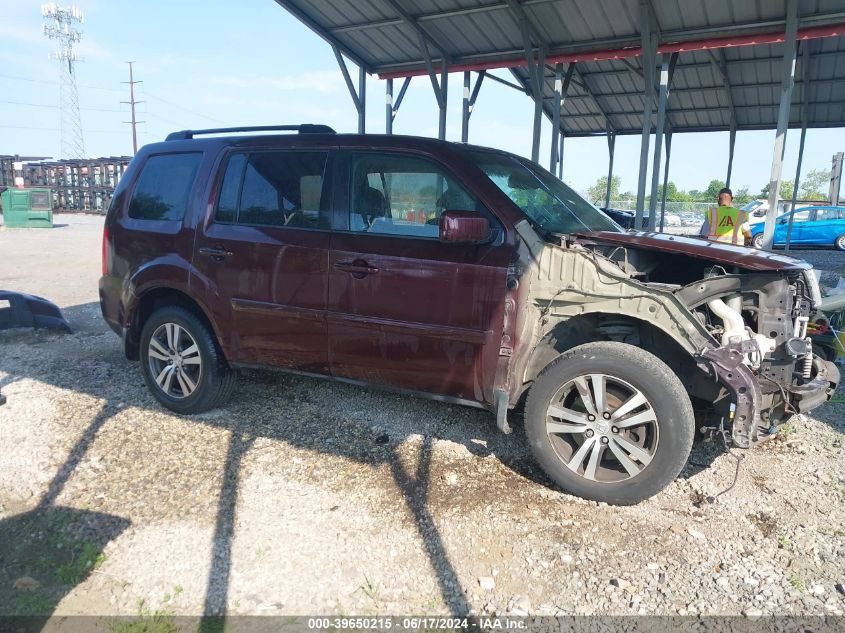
(151, 301)
(589, 328)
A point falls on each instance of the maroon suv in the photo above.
(464, 273)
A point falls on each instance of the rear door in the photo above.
(826, 226)
(405, 309)
(264, 253)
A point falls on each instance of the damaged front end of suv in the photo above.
(731, 322)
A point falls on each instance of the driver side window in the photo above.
(396, 194)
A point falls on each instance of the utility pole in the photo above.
(132, 103)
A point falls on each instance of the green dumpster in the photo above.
(27, 208)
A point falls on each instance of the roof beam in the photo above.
(521, 88)
(618, 48)
(422, 33)
(735, 87)
(519, 11)
(323, 33)
(810, 20)
(720, 64)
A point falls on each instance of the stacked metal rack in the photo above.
(76, 185)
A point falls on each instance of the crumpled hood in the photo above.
(747, 258)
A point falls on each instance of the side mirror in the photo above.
(464, 227)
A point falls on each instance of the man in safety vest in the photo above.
(726, 224)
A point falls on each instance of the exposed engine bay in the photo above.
(760, 351)
(731, 322)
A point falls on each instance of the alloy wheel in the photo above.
(602, 428)
(175, 361)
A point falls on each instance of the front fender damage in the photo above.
(573, 282)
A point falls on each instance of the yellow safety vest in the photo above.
(724, 224)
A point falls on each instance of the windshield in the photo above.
(544, 199)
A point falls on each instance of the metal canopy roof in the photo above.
(729, 59)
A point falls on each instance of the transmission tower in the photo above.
(60, 24)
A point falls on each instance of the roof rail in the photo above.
(304, 128)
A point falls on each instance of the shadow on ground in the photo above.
(47, 551)
(101, 371)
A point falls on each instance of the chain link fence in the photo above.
(677, 213)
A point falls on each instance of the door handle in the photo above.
(358, 268)
(215, 252)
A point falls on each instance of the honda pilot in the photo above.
(463, 273)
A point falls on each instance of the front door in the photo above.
(405, 309)
(264, 254)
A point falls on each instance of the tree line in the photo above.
(813, 186)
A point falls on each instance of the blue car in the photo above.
(812, 226)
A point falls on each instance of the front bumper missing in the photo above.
(725, 364)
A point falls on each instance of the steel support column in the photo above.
(611, 146)
(649, 47)
(444, 91)
(805, 104)
(359, 96)
(362, 97)
(388, 107)
(537, 93)
(658, 143)
(561, 90)
(395, 103)
(731, 146)
(465, 110)
(787, 82)
(560, 162)
(556, 104)
(469, 102)
(440, 88)
(668, 138)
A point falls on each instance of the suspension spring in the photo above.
(808, 360)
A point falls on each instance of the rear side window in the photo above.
(164, 186)
(274, 189)
(829, 214)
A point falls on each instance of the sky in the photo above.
(213, 63)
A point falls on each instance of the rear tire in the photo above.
(610, 422)
(839, 244)
(182, 365)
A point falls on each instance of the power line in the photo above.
(55, 129)
(54, 83)
(176, 105)
(48, 105)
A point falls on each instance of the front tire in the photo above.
(610, 422)
(840, 243)
(757, 241)
(181, 362)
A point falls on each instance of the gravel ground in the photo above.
(303, 496)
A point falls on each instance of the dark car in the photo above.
(623, 218)
(464, 273)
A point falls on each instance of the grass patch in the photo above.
(81, 564)
(147, 622)
(36, 603)
(370, 589)
(797, 584)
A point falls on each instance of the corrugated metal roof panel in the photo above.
(602, 91)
